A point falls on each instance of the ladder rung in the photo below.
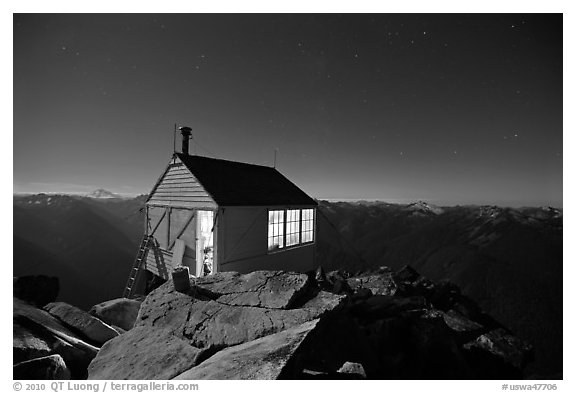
(142, 250)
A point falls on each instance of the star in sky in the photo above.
(313, 78)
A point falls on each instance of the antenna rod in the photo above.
(174, 139)
(275, 151)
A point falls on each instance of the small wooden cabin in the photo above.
(216, 215)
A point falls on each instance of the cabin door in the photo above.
(205, 243)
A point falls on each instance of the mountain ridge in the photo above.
(509, 260)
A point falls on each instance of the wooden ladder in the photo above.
(140, 258)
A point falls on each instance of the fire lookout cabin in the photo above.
(216, 215)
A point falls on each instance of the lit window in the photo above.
(275, 229)
(289, 228)
(307, 225)
(292, 227)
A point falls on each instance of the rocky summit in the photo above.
(282, 325)
(59, 340)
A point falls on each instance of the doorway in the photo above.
(205, 243)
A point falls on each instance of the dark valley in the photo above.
(508, 260)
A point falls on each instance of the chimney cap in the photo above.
(185, 130)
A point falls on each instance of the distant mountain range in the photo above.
(99, 193)
(508, 260)
(89, 243)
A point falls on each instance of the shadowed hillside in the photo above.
(508, 260)
(88, 243)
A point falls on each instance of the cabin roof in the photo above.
(232, 183)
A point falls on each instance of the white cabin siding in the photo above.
(243, 244)
(243, 232)
(297, 259)
(179, 188)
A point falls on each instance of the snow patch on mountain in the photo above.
(103, 194)
(424, 208)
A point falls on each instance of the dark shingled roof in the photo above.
(233, 183)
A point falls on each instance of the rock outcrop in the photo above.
(265, 289)
(269, 357)
(154, 354)
(47, 367)
(378, 284)
(272, 325)
(56, 342)
(91, 327)
(353, 370)
(269, 325)
(117, 312)
(502, 345)
(229, 309)
(38, 334)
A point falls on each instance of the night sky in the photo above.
(451, 109)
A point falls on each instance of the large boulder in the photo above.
(26, 345)
(47, 367)
(144, 353)
(501, 345)
(270, 357)
(324, 301)
(353, 370)
(117, 312)
(378, 284)
(37, 290)
(212, 324)
(93, 328)
(219, 321)
(25, 314)
(268, 289)
(38, 334)
(464, 329)
(336, 282)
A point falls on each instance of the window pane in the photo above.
(307, 225)
(275, 229)
(292, 227)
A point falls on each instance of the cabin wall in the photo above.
(171, 223)
(183, 227)
(243, 244)
(179, 188)
(240, 239)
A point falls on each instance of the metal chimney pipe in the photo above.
(186, 132)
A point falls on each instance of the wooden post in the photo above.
(168, 212)
(215, 242)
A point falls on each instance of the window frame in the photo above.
(312, 230)
(281, 245)
(300, 232)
